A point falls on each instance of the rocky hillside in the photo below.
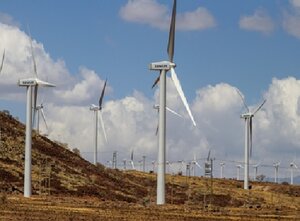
(59, 170)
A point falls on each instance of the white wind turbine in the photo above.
(98, 109)
(276, 167)
(238, 167)
(2, 62)
(164, 67)
(222, 164)
(40, 112)
(256, 170)
(248, 117)
(156, 106)
(292, 166)
(31, 84)
(195, 164)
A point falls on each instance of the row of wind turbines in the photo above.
(32, 109)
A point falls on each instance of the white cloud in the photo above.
(260, 21)
(131, 121)
(156, 15)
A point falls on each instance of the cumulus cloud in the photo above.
(156, 15)
(260, 21)
(131, 121)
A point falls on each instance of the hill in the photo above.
(67, 187)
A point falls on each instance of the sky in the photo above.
(220, 46)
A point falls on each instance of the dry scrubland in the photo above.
(82, 191)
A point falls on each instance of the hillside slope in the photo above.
(78, 187)
(68, 172)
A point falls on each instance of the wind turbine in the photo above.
(256, 170)
(195, 163)
(276, 166)
(292, 166)
(248, 137)
(238, 167)
(2, 62)
(222, 164)
(96, 110)
(156, 106)
(40, 112)
(164, 67)
(208, 167)
(31, 84)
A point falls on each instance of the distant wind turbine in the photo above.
(238, 167)
(276, 167)
(163, 67)
(222, 164)
(2, 62)
(31, 84)
(156, 106)
(248, 137)
(40, 112)
(292, 166)
(98, 109)
(256, 170)
(195, 164)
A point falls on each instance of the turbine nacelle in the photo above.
(33, 82)
(247, 115)
(93, 107)
(162, 65)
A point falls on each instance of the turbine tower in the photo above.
(31, 84)
(248, 117)
(2, 62)
(164, 67)
(292, 166)
(96, 110)
(276, 167)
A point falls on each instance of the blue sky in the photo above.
(95, 35)
(219, 45)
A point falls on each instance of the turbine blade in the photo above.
(259, 107)
(2, 61)
(181, 94)
(102, 95)
(156, 81)
(173, 112)
(208, 155)
(198, 165)
(44, 118)
(156, 132)
(172, 34)
(131, 156)
(250, 136)
(239, 93)
(32, 54)
(102, 125)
